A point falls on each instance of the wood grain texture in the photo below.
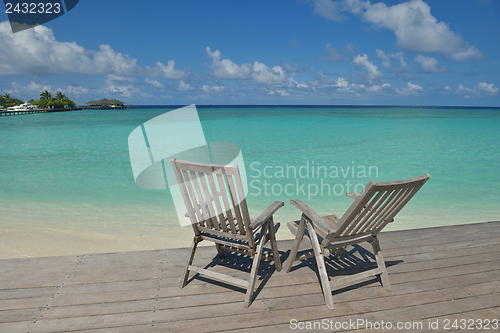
(436, 273)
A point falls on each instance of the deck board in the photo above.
(436, 274)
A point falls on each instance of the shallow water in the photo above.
(67, 176)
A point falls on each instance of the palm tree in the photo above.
(60, 96)
(46, 95)
(7, 97)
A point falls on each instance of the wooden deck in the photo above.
(436, 274)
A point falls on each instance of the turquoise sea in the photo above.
(66, 184)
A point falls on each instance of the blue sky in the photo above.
(353, 52)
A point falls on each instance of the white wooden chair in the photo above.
(366, 217)
(217, 208)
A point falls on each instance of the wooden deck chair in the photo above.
(217, 208)
(366, 217)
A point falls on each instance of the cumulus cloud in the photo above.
(292, 68)
(75, 90)
(386, 61)
(184, 86)
(429, 65)
(225, 68)
(36, 51)
(265, 75)
(410, 89)
(120, 85)
(319, 76)
(154, 83)
(328, 9)
(216, 89)
(481, 89)
(487, 88)
(372, 72)
(415, 28)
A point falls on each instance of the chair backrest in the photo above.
(376, 206)
(215, 199)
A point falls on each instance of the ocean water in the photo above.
(66, 184)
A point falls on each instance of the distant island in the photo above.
(105, 103)
(50, 102)
(47, 101)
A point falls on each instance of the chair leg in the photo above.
(295, 247)
(274, 246)
(220, 250)
(320, 261)
(255, 267)
(381, 264)
(185, 276)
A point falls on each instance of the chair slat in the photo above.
(227, 206)
(383, 204)
(374, 212)
(210, 198)
(243, 205)
(365, 213)
(236, 204)
(192, 196)
(220, 213)
(395, 207)
(201, 199)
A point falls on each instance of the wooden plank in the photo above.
(455, 273)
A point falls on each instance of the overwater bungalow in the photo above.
(106, 104)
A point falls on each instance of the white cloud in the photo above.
(265, 75)
(36, 51)
(168, 72)
(75, 90)
(319, 76)
(415, 28)
(216, 89)
(372, 70)
(184, 86)
(120, 85)
(341, 83)
(403, 66)
(466, 54)
(487, 88)
(328, 9)
(226, 69)
(409, 89)
(429, 65)
(283, 93)
(482, 89)
(292, 69)
(294, 42)
(154, 83)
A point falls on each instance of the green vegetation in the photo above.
(47, 100)
(7, 100)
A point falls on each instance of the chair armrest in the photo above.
(315, 218)
(352, 195)
(266, 214)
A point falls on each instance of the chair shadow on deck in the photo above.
(355, 260)
(241, 264)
